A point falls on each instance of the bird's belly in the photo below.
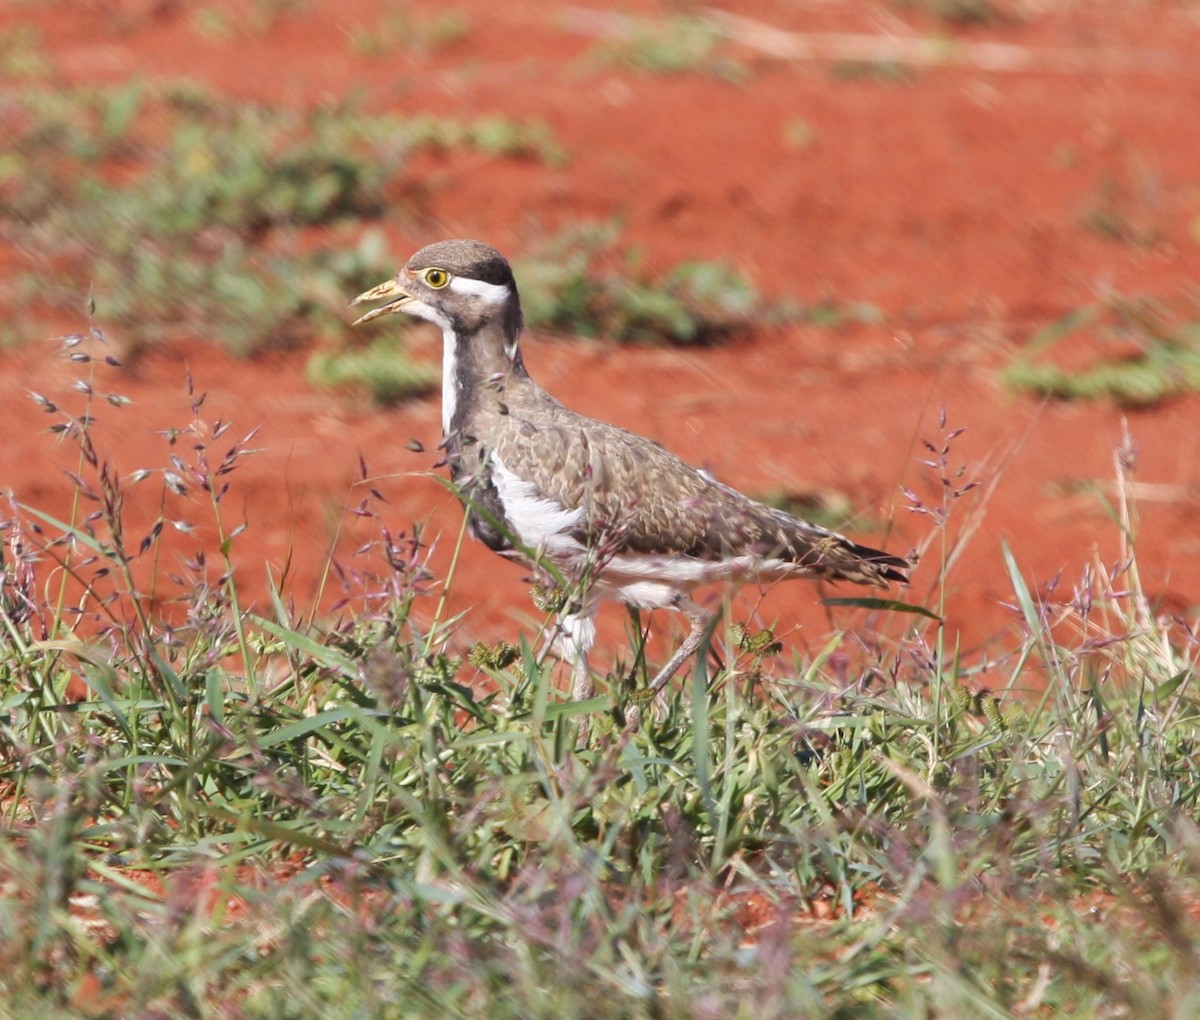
(656, 580)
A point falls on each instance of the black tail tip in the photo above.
(891, 568)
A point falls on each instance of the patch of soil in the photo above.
(961, 201)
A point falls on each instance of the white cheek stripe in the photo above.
(488, 293)
(539, 523)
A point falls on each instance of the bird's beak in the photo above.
(389, 289)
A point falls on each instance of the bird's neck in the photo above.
(477, 370)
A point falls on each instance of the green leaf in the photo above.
(894, 605)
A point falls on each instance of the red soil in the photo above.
(953, 200)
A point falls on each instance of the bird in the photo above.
(606, 513)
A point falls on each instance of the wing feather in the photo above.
(677, 510)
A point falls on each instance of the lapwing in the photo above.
(611, 514)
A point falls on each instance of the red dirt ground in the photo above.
(952, 199)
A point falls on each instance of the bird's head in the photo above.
(466, 287)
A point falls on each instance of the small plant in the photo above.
(675, 45)
(888, 72)
(584, 284)
(501, 137)
(21, 54)
(210, 233)
(212, 23)
(383, 370)
(798, 133)
(395, 31)
(253, 19)
(958, 12)
(829, 509)
(1155, 354)
(1126, 206)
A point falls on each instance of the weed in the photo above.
(382, 370)
(396, 31)
(583, 283)
(887, 72)
(958, 12)
(829, 509)
(208, 234)
(254, 19)
(212, 23)
(675, 45)
(798, 133)
(21, 55)
(1127, 205)
(493, 135)
(1156, 354)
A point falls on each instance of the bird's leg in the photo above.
(582, 685)
(700, 619)
(577, 631)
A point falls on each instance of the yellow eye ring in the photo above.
(435, 278)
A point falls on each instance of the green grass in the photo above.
(1137, 352)
(186, 215)
(255, 812)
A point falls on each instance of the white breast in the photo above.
(540, 523)
(449, 376)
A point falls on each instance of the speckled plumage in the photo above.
(594, 498)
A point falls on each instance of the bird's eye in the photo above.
(436, 278)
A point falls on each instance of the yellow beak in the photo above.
(389, 289)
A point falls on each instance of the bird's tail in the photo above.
(827, 554)
(864, 565)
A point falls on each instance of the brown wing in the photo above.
(674, 509)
